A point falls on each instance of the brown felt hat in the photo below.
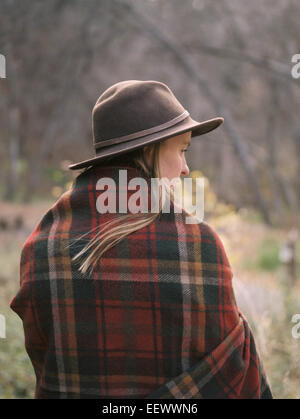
(134, 113)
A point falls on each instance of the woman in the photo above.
(118, 303)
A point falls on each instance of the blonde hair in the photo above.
(112, 232)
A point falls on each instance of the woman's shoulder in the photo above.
(193, 221)
(205, 233)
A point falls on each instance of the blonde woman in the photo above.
(122, 303)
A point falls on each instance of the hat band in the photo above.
(142, 133)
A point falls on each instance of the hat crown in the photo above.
(132, 106)
(134, 113)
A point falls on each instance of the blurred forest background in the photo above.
(227, 58)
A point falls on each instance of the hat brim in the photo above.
(188, 124)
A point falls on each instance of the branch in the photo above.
(271, 66)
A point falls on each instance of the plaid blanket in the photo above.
(157, 318)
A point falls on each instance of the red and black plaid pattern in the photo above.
(156, 319)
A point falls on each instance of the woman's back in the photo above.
(157, 317)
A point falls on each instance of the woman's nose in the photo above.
(185, 170)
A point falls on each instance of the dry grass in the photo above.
(266, 297)
(17, 379)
